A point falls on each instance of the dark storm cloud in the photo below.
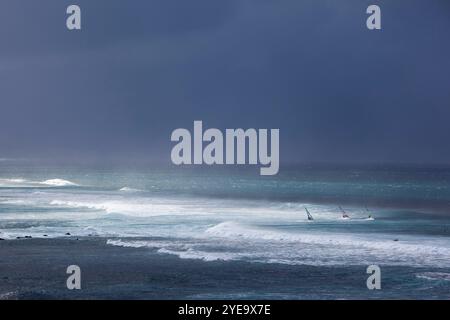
(139, 69)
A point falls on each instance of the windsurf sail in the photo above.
(344, 214)
(370, 215)
(310, 217)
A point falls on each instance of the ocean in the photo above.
(235, 219)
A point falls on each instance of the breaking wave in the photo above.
(235, 241)
(434, 276)
(58, 183)
(128, 189)
(24, 183)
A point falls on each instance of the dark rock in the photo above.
(28, 237)
(2, 239)
(67, 234)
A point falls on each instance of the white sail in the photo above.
(310, 217)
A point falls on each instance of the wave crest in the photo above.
(58, 183)
(128, 189)
(435, 276)
(24, 183)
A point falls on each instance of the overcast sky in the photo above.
(140, 69)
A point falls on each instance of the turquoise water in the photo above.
(236, 216)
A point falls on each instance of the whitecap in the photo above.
(435, 276)
(8, 295)
(199, 255)
(128, 189)
(58, 183)
(24, 183)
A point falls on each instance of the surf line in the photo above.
(237, 142)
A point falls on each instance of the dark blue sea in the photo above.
(398, 217)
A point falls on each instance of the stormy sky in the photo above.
(138, 69)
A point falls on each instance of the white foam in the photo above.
(410, 250)
(127, 207)
(72, 204)
(231, 229)
(200, 255)
(156, 244)
(15, 180)
(58, 183)
(128, 189)
(213, 229)
(134, 204)
(434, 276)
(183, 250)
(14, 202)
(5, 236)
(129, 244)
(8, 295)
(19, 182)
(12, 182)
